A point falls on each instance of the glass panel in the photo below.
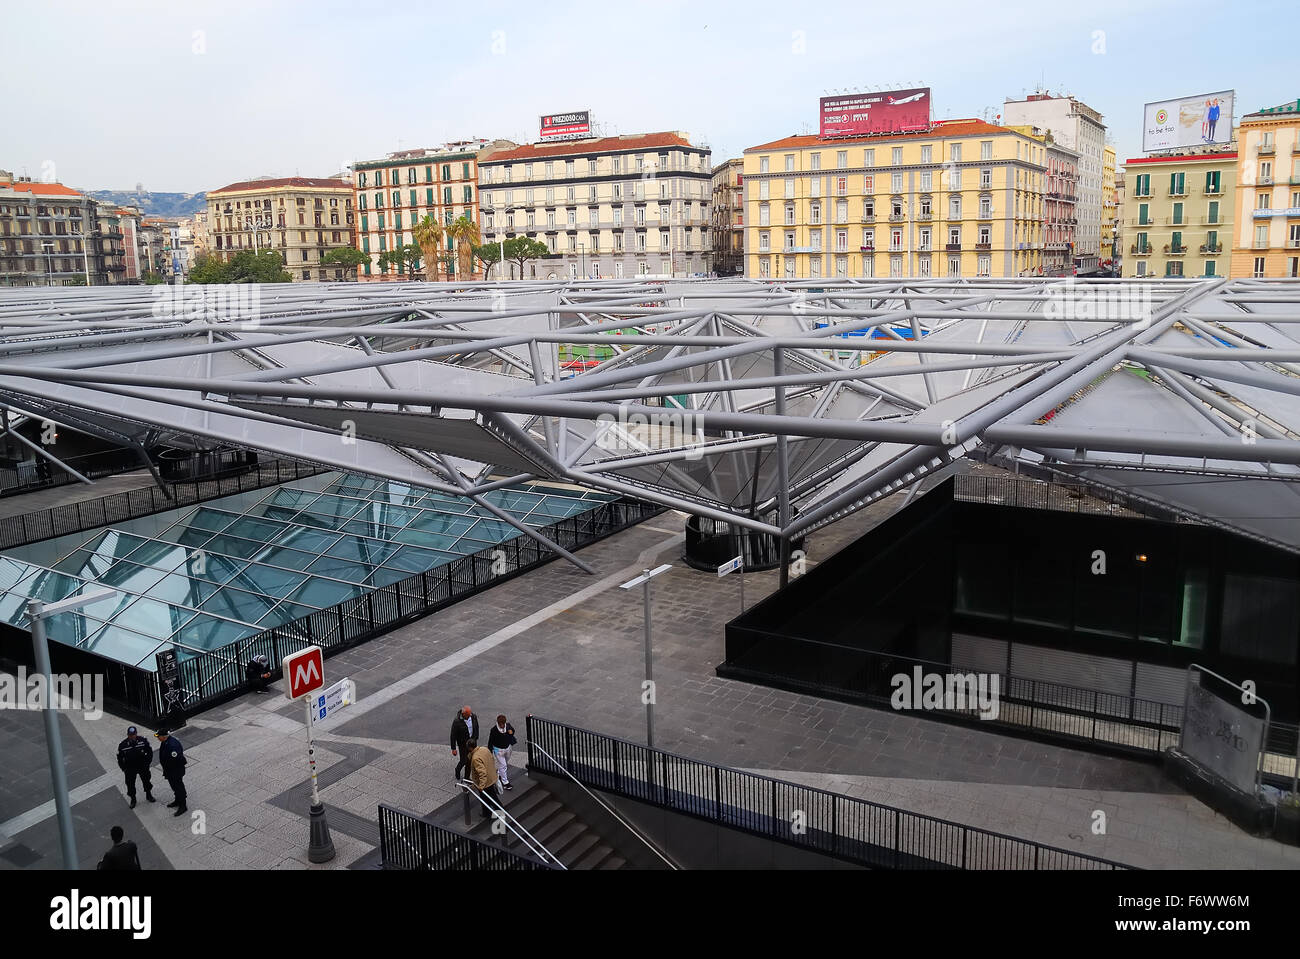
(238, 604)
(207, 632)
(324, 592)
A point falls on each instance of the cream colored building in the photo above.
(1266, 241)
(301, 218)
(964, 199)
(1109, 209)
(635, 205)
(728, 213)
(1178, 214)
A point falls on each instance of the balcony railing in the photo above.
(1210, 221)
(867, 249)
(1175, 248)
(952, 247)
(1211, 249)
(1265, 181)
(868, 218)
(895, 218)
(1136, 250)
(1267, 149)
(1259, 245)
(983, 247)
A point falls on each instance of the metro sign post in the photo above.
(737, 564)
(304, 673)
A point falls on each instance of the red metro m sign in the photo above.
(304, 672)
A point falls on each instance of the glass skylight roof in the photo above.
(225, 569)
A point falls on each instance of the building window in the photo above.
(789, 214)
(954, 152)
(926, 180)
(764, 214)
(789, 188)
(868, 239)
(896, 156)
(842, 159)
(815, 186)
(763, 164)
(789, 240)
(984, 265)
(895, 239)
(954, 266)
(869, 158)
(815, 161)
(764, 267)
(986, 149)
(1259, 266)
(814, 213)
(789, 162)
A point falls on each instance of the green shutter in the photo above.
(428, 197)
(365, 248)
(469, 194)
(428, 174)
(365, 223)
(381, 221)
(446, 194)
(466, 169)
(1214, 211)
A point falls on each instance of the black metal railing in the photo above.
(213, 676)
(1073, 715)
(42, 474)
(856, 830)
(408, 841)
(1029, 492)
(132, 504)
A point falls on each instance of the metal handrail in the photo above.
(499, 811)
(610, 809)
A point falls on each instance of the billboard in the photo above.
(560, 126)
(1188, 122)
(862, 114)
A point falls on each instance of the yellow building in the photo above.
(1267, 239)
(962, 199)
(1109, 209)
(1178, 214)
(300, 218)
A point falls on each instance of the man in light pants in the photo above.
(500, 739)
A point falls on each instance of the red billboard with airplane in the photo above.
(864, 114)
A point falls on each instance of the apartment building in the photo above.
(1121, 191)
(727, 211)
(1060, 203)
(53, 235)
(1266, 241)
(1177, 214)
(1109, 210)
(965, 198)
(396, 192)
(1077, 126)
(635, 205)
(300, 218)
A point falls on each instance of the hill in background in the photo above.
(170, 205)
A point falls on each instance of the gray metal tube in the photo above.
(53, 738)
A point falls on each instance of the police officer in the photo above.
(171, 756)
(134, 754)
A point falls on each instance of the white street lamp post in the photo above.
(39, 612)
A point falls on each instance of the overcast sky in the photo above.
(190, 96)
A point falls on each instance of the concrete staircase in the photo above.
(556, 827)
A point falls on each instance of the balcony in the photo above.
(1140, 250)
(1214, 191)
(1209, 250)
(1174, 249)
(1210, 221)
(1182, 192)
(867, 249)
(1264, 181)
(868, 218)
(923, 217)
(1267, 149)
(983, 247)
(1295, 181)
(1176, 221)
(952, 247)
(895, 218)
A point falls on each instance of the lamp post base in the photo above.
(322, 846)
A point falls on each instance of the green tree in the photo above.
(265, 267)
(209, 269)
(348, 257)
(150, 278)
(405, 259)
(521, 249)
(428, 234)
(463, 235)
(489, 254)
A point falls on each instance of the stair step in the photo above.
(613, 862)
(578, 848)
(518, 806)
(594, 857)
(546, 831)
(534, 818)
(565, 838)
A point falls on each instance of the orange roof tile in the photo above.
(42, 189)
(644, 141)
(289, 181)
(943, 128)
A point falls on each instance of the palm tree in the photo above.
(464, 236)
(428, 234)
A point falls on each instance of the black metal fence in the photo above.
(1046, 710)
(42, 474)
(407, 841)
(856, 830)
(132, 504)
(1027, 492)
(213, 676)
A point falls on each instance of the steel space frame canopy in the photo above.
(776, 406)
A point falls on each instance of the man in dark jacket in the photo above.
(171, 756)
(123, 855)
(258, 673)
(134, 754)
(464, 728)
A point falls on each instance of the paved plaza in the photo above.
(568, 646)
